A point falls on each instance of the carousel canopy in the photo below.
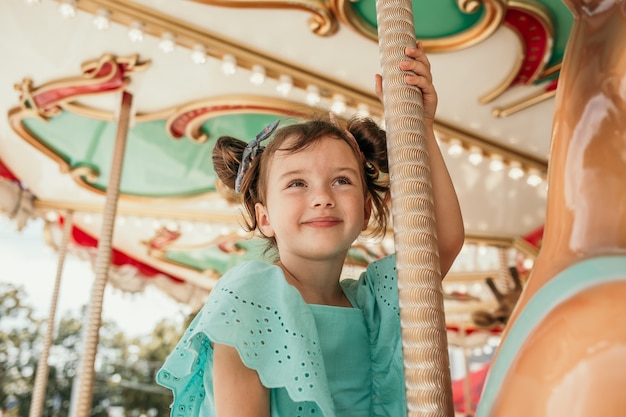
(201, 69)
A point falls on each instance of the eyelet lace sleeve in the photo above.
(253, 309)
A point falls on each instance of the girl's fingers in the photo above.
(417, 67)
(417, 53)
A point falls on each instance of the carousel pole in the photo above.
(424, 338)
(41, 377)
(81, 404)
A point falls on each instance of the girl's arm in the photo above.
(237, 389)
(449, 222)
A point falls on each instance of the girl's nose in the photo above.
(323, 198)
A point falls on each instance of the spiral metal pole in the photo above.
(86, 374)
(41, 377)
(424, 338)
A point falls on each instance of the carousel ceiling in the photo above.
(202, 69)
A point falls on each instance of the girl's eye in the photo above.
(343, 181)
(296, 183)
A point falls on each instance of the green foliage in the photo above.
(125, 366)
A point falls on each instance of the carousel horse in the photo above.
(564, 349)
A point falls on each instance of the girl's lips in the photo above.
(322, 221)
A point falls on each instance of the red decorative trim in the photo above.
(179, 123)
(6, 173)
(476, 382)
(535, 237)
(552, 85)
(470, 330)
(105, 75)
(118, 258)
(537, 41)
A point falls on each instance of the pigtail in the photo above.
(372, 142)
(227, 155)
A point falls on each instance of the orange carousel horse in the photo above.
(564, 349)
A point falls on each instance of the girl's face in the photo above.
(315, 201)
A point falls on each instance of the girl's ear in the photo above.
(263, 220)
(367, 212)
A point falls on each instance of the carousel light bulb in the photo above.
(534, 178)
(167, 42)
(258, 74)
(229, 64)
(496, 163)
(135, 33)
(52, 216)
(515, 170)
(455, 148)
(285, 84)
(67, 8)
(528, 263)
(198, 54)
(102, 20)
(339, 104)
(31, 2)
(312, 95)
(475, 155)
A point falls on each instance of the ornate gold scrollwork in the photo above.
(85, 176)
(493, 15)
(323, 22)
(187, 120)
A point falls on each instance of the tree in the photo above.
(125, 366)
(19, 333)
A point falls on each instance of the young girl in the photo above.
(289, 338)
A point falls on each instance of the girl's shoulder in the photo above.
(378, 284)
(250, 274)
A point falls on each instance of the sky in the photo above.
(26, 260)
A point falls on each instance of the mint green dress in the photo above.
(316, 360)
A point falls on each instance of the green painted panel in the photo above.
(155, 165)
(563, 20)
(431, 18)
(215, 259)
(440, 18)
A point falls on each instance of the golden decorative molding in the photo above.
(494, 11)
(524, 103)
(323, 22)
(187, 35)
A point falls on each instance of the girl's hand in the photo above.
(419, 75)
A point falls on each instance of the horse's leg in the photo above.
(567, 364)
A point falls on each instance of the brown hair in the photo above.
(372, 149)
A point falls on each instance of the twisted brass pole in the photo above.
(424, 337)
(41, 377)
(81, 406)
